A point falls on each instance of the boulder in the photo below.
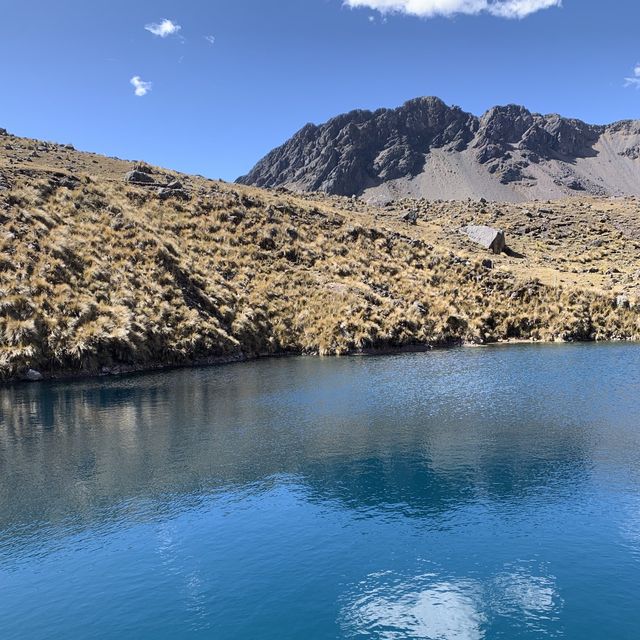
(65, 180)
(138, 177)
(489, 237)
(143, 167)
(32, 375)
(166, 192)
(622, 301)
(411, 217)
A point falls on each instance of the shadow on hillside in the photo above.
(513, 254)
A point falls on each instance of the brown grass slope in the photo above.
(99, 275)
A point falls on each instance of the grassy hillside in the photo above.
(100, 275)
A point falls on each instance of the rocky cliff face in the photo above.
(428, 149)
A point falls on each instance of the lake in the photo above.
(472, 494)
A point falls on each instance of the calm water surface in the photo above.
(469, 494)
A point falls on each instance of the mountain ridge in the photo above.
(426, 148)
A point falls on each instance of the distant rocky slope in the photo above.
(426, 149)
(109, 266)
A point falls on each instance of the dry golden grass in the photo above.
(96, 273)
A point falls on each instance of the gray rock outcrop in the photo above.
(490, 238)
(138, 177)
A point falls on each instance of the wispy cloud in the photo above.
(163, 29)
(210, 39)
(634, 80)
(140, 87)
(448, 8)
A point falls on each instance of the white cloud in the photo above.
(140, 87)
(210, 39)
(432, 8)
(163, 29)
(634, 80)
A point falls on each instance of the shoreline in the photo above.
(117, 371)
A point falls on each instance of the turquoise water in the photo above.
(470, 494)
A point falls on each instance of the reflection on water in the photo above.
(420, 608)
(521, 594)
(426, 606)
(486, 493)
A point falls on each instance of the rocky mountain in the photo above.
(427, 149)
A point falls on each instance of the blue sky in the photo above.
(216, 107)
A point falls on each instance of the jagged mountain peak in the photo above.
(426, 148)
